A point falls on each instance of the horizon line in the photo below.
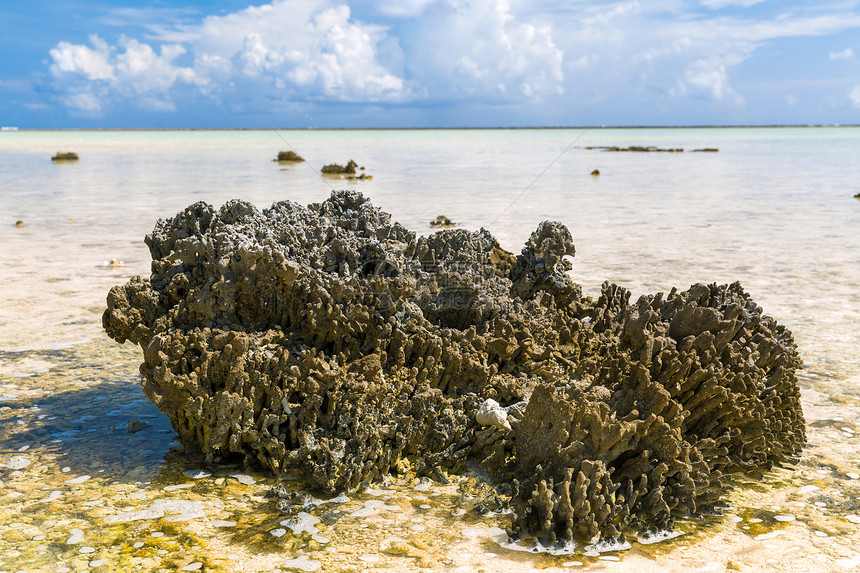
(14, 129)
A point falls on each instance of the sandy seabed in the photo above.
(92, 479)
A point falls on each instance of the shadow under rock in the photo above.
(106, 428)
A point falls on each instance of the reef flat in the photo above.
(330, 342)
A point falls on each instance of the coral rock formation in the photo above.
(289, 156)
(332, 342)
(637, 149)
(65, 156)
(336, 169)
(442, 222)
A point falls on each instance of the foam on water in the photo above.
(607, 547)
(657, 537)
(184, 510)
(500, 537)
(303, 522)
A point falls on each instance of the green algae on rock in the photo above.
(327, 340)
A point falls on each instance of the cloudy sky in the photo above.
(428, 63)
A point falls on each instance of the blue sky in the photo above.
(428, 63)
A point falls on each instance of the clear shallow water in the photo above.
(773, 209)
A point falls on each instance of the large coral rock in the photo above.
(330, 341)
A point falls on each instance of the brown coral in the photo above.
(337, 169)
(65, 156)
(330, 341)
(289, 156)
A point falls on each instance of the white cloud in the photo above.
(613, 13)
(291, 54)
(690, 55)
(93, 63)
(846, 54)
(342, 62)
(719, 4)
(93, 75)
(855, 96)
(287, 49)
(483, 49)
(84, 102)
(313, 49)
(711, 76)
(254, 55)
(143, 70)
(280, 25)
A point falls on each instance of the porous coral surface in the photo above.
(327, 340)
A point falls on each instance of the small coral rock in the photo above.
(289, 156)
(442, 221)
(335, 169)
(491, 414)
(65, 156)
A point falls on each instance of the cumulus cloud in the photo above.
(341, 63)
(145, 71)
(289, 48)
(846, 54)
(285, 54)
(631, 51)
(92, 75)
(855, 96)
(711, 76)
(695, 54)
(485, 49)
(91, 62)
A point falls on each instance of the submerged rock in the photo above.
(289, 156)
(65, 156)
(336, 169)
(328, 341)
(637, 149)
(443, 222)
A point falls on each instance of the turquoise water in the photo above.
(773, 209)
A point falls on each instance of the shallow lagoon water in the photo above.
(92, 477)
